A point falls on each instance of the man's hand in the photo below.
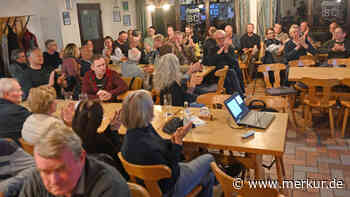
(104, 95)
(195, 80)
(180, 133)
(148, 69)
(67, 114)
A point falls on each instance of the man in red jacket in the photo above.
(101, 82)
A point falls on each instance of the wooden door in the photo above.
(90, 25)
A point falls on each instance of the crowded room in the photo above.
(174, 98)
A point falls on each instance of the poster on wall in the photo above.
(127, 20)
(125, 5)
(66, 18)
(116, 14)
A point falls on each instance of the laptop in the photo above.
(243, 116)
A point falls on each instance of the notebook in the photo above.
(243, 116)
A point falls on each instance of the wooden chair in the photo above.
(245, 191)
(151, 174)
(317, 99)
(26, 146)
(276, 69)
(302, 62)
(212, 100)
(221, 73)
(137, 190)
(346, 103)
(137, 82)
(275, 102)
(308, 57)
(244, 69)
(340, 61)
(261, 53)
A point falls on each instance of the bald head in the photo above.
(220, 37)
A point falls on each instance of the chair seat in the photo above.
(282, 91)
(345, 103)
(301, 87)
(330, 103)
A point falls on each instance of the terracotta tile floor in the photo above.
(304, 158)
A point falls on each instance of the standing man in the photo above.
(36, 74)
(52, 58)
(63, 169)
(101, 82)
(12, 114)
(19, 63)
(250, 44)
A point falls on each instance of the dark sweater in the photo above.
(250, 41)
(12, 117)
(291, 54)
(52, 61)
(123, 47)
(99, 180)
(34, 78)
(143, 146)
(85, 66)
(208, 44)
(339, 54)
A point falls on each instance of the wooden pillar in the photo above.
(310, 18)
(177, 15)
(207, 14)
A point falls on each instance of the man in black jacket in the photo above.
(12, 115)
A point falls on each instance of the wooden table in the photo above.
(217, 134)
(297, 73)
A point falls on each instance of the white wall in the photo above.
(253, 11)
(71, 33)
(47, 22)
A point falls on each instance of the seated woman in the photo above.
(71, 69)
(130, 68)
(297, 46)
(41, 101)
(142, 145)
(109, 49)
(169, 81)
(87, 119)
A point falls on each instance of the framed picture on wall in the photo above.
(66, 18)
(116, 14)
(125, 5)
(68, 4)
(127, 20)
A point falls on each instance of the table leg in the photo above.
(259, 170)
(281, 173)
(291, 102)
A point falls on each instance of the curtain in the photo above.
(266, 16)
(141, 15)
(242, 15)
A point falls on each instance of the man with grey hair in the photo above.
(19, 63)
(36, 74)
(63, 169)
(12, 115)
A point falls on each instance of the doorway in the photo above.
(90, 25)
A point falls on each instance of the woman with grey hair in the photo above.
(171, 83)
(143, 146)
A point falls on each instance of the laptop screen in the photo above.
(236, 106)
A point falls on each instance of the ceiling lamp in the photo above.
(153, 4)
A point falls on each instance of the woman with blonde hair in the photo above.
(71, 69)
(41, 102)
(142, 145)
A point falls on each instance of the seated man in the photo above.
(339, 47)
(52, 58)
(14, 169)
(36, 74)
(12, 115)
(85, 60)
(63, 169)
(279, 34)
(19, 63)
(101, 82)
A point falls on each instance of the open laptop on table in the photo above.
(243, 116)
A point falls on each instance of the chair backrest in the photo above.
(261, 51)
(212, 100)
(302, 62)
(276, 69)
(308, 57)
(346, 82)
(26, 146)
(322, 96)
(150, 174)
(339, 61)
(136, 83)
(137, 190)
(245, 191)
(221, 73)
(278, 103)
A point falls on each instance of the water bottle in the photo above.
(187, 113)
(334, 63)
